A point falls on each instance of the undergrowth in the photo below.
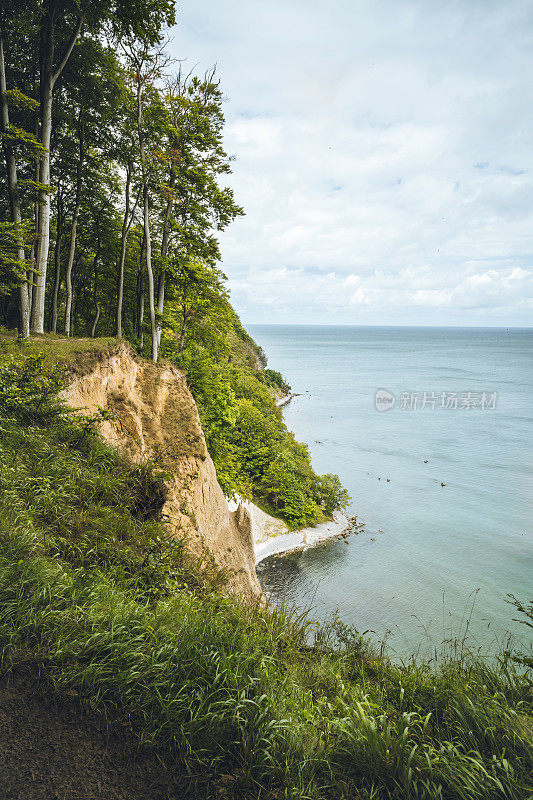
(97, 598)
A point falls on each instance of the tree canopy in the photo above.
(114, 198)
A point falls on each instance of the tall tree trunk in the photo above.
(37, 174)
(150, 274)
(146, 219)
(165, 239)
(57, 260)
(140, 297)
(14, 200)
(74, 227)
(96, 317)
(95, 268)
(72, 315)
(68, 275)
(48, 78)
(43, 210)
(122, 257)
(126, 225)
(160, 303)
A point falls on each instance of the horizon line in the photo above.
(368, 325)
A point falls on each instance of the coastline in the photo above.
(302, 539)
(271, 536)
(282, 401)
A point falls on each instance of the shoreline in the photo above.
(282, 401)
(303, 539)
(272, 537)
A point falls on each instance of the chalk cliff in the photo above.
(155, 416)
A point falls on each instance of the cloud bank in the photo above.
(383, 156)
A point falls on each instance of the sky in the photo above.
(383, 155)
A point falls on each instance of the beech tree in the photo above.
(16, 230)
(61, 23)
(193, 157)
(122, 184)
(146, 65)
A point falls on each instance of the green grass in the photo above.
(248, 703)
(56, 348)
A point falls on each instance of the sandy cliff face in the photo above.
(156, 416)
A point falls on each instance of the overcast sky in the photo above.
(384, 157)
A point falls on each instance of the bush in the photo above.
(275, 379)
(330, 494)
(29, 389)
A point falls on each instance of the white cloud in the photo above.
(388, 143)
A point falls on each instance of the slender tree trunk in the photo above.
(37, 174)
(160, 303)
(57, 261)
(95, 268)
(146, 220)
(96, 317)
(14, 199)
(126, 225)
(36, 208)
(73, 230)
(140, 296)
(72, 314)
(48, 77)
(43, 215)
(141, 318)
(150, 275)
(68, 275)
(165, 239)
(140, 306)
(122, 257)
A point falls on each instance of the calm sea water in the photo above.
(429, 552)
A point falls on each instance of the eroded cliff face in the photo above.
(155, 416)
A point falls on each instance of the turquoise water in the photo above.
(429, 552)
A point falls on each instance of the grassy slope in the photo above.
(55, 348)
(94, 597)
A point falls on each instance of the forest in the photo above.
(112, 201)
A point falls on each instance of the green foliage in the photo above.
(286, 483)
(248, 703)
(274, 379)
(13, 236)
(28, 389)
(254, 453)
(330, 493)
(217, 406)
(197, 307)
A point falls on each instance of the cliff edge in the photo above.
(155, 416)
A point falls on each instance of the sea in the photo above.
(430, 430)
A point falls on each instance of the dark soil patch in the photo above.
(51, 750)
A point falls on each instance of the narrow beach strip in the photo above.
(295, 541)
(271, 536)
